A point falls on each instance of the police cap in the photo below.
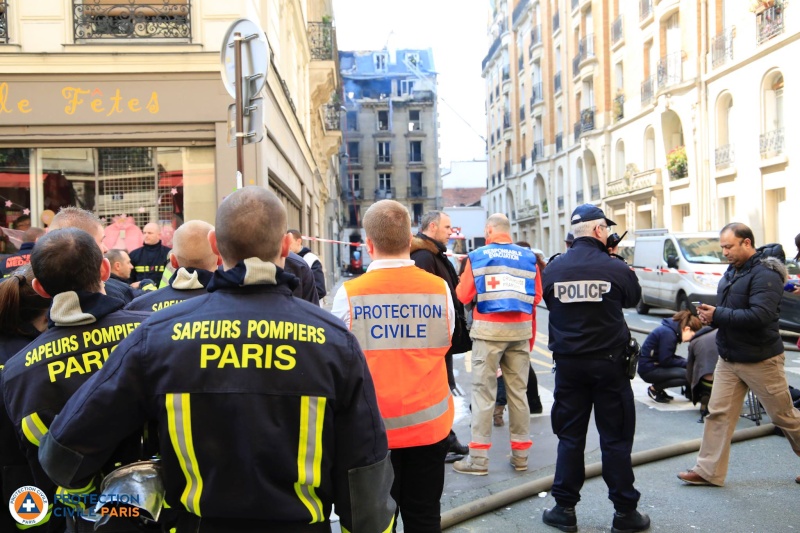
(587, 212)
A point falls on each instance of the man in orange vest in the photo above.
(403, 318)
(501, 276)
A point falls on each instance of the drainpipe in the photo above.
(704, 186)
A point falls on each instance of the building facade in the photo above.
(632, 109)
(119, 107)
(390, 135)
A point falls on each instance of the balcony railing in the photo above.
(587, 119)
(352, 195)
(585, 51)
(3, 22)
(384, 159)
(538, 150)
(415, 157)
(670, 69)
(616, 30)
(417, 192)
(648, 90)
(536, 94)
(645, 9)
(723, 156)
(320, 36)
(722, 47)
(619, 107)
(556, 22)
(492, 50)
(507, 121)
(333, 120)
(354, 159)
(559, 141)
(526, 212)
(557, 81)
(769, 23)
(385, 193)
(536, 36)
(771, 143)
(131, 19)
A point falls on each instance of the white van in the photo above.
(680, 268)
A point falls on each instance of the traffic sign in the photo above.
(253, 123)
(255, 55)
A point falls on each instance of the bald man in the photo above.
(255, 392)
(194, 262)
(149, 260)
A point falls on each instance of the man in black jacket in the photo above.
(311, 259)
(428, 252)
(751, 353)
(149, 260)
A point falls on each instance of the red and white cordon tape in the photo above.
(684, 272)
(359, 244)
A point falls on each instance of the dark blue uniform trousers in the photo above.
(581, 384)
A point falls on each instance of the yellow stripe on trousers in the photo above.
(309, 455)
(179, 419)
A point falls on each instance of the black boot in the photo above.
(535, 406)
(455, 450)
(562, 518)
(630, 522)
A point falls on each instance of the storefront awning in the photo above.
(9, 180)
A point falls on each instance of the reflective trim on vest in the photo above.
(179, 422)
(309, 455)
(484, 325)
(34, 429)
(505, 278)
(420, 417)
(380, 321)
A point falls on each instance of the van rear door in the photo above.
(647, 254)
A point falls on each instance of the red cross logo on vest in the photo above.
(493, 283)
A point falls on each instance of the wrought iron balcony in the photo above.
(538, 150)
(723, 156)
(3, 22)
(352, 195)
(645, 9)
(556, 22)
(320, 36)
(616, 30)
(131, 19)
(557, 82)
(492, 50)
(536, 94)
(769, 23)
(385, 194)
(587, 119)
(648, 90)
(585, 51)
(384, 159)
(722, 47)
(670, 69)
(559, 141)
(417, 192)
(333, 120)
(771, 143)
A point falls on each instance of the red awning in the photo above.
(10, 180)
(170, 178)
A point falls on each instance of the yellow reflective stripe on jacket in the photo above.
(387, 530)
(33, 428)
(309, 455)
(179, 420)
(420, 417)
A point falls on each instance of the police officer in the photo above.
(585, 291)
(265, 407)
(85, 326)
(194, 262)
(403, 318)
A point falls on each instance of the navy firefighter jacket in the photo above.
(184, 284)
(85, 328)
(264, 405)
(585, 290)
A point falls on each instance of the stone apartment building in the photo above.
(119, 107)
(666, 113)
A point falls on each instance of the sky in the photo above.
(456, 32)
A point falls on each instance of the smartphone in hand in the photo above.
(697, 304)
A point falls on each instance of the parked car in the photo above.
(790, 303)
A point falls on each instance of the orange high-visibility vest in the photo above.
(400, 318)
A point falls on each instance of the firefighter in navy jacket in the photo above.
(193, 261)
(150, 259)
(85, 327)
(265, 408)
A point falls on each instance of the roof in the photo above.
(461, 196)
(360, 64)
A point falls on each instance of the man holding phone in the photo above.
(750, 349)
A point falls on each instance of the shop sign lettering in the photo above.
(76, 98)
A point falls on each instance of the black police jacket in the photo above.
(149, 262)
(585, 291)
(85, 328)
(184, 284)
(264, 405)
(748, 308)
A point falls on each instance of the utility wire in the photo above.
(462, 118)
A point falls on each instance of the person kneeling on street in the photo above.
(658, 363)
